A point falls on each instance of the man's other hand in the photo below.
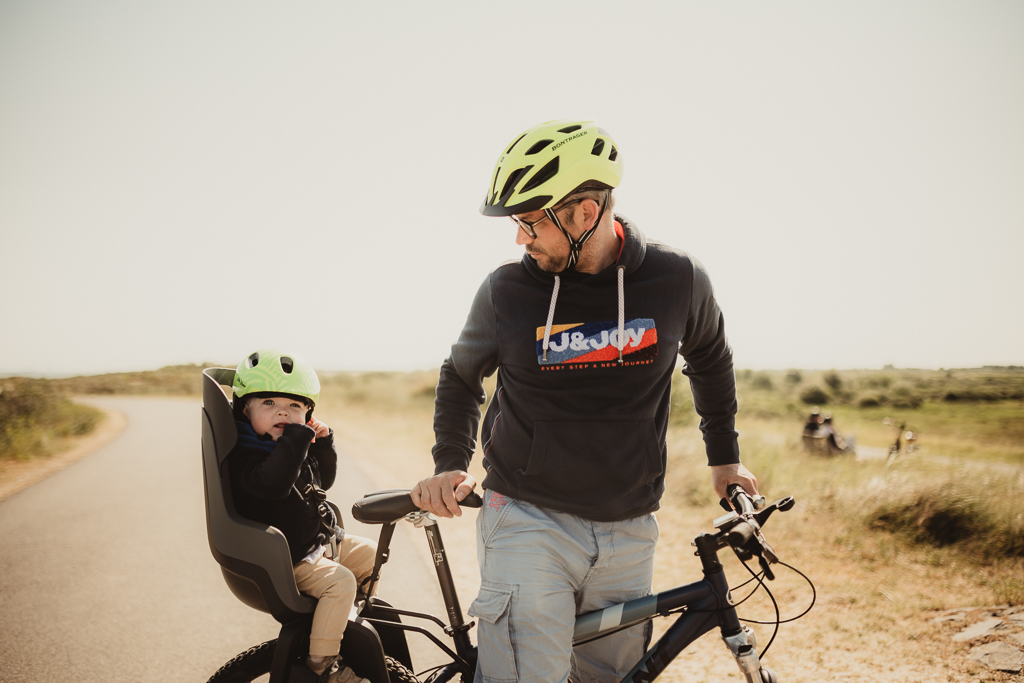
(723, 475)
(441, 493)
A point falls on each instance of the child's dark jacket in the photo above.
(270, 481)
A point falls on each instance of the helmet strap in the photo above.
(575, 246)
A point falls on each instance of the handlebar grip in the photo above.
(740, 536)
(741, 501)
(472, 500)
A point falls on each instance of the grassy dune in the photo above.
(886, 546)
(37, 419)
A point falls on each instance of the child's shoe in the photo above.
(334, 670)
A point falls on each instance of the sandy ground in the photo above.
(877, 605)
(880, 613)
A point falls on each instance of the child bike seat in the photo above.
(254, 557)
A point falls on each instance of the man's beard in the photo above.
(549, 263)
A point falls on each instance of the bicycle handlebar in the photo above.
(741, 528)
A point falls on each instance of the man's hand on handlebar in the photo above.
(441, 493)
(723, 475)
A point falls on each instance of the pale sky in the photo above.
(188, 181)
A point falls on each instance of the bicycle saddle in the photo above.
(390, 505)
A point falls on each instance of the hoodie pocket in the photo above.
(588, 461)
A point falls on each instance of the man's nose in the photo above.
(522, 237)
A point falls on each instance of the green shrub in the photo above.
(905, 397)
(33, 413)
(814, 395)
(794, 377)
(931, 518)
(979, 513)
(877, 381)
(833, 380)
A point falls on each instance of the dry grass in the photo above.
(877, 591)
(38, 420)
(859, 530)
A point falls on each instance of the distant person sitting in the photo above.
(836, 442)
(813, 423)
(283, 461)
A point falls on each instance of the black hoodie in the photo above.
(269, 480)
(582, 432)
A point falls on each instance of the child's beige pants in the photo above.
(333, 581)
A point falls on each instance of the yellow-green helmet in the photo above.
(548, 162)
(270, 372)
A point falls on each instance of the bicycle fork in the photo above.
(740, 640)
(743, 646)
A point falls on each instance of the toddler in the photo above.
(280, 467)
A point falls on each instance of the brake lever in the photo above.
(768, 574)
(782, 504)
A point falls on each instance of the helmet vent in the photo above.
(538, 146)
(513, 178)
(287, 364)
(570, 129)
(515, 143)
(613, 154)
(542, 176)
(598, 147)
(494, 181)
(253, 360)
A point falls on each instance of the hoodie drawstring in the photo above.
(621, 271)
(620, 274)
(551, 317)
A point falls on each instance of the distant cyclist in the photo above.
(583, 333)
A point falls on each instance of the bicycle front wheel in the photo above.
(248, 666)
(256, 662)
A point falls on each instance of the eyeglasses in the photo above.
(527, 226)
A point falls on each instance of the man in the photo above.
(583, 334)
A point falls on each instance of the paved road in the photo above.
(105, 570)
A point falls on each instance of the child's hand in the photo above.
(319, 427)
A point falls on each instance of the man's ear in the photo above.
(589, 210)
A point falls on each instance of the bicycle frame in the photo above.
(386, 618)
(707, 604)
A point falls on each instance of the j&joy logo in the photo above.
(598, 343)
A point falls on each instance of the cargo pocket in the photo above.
(496, 657)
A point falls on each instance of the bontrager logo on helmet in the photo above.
(547, 163)
(557, 145)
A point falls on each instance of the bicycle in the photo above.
(257, 569)
(703, 605)
(902, 434)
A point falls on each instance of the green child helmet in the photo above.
(268, 372)
(548, 162)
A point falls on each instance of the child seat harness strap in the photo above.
(383, 552)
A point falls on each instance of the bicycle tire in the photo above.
(256, 661)
(398, 673)
(247, 666)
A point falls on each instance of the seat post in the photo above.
(460, 631)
